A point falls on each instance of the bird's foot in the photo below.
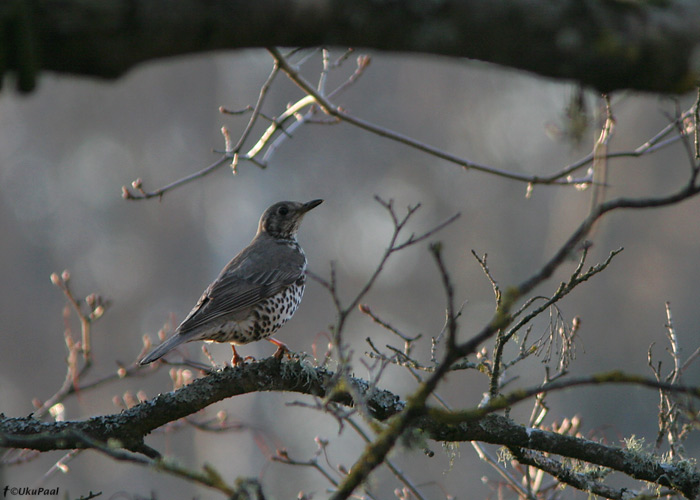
(236, 360)
(282, 349)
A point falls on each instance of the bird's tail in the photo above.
(165, 347)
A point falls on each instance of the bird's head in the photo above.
(282, 219)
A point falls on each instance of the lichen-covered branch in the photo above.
(128, 428)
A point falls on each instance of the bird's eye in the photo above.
(283, 210)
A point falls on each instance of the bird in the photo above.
(256, 293)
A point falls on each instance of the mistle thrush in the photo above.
(256, 293)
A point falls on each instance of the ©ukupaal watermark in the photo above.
(27, 491)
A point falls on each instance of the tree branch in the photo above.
(643, 45)
(128, 428)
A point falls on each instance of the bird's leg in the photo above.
(236, 359)
(282, 348)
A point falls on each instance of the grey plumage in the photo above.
(256, 293)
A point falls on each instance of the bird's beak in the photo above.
(309, 205)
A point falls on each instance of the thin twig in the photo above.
(559, 177)
(144, 195)
(400, 475)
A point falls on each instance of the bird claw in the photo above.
(281, 351)
(282, 348)
(236, 360)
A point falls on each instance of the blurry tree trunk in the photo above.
(613, 44)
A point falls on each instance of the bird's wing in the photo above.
(235, 290)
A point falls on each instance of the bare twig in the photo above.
(696, 124)
(567, 475)
(364, 308)
(318, 96)
(393, 246)
(74, 373)
(600, 156)
(158, 193)
(230, 152)
(375, 453)
(502, 471)
(560, 177)
(395, 470)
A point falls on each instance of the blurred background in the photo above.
(68, 148)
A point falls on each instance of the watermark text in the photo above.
(19, 491)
